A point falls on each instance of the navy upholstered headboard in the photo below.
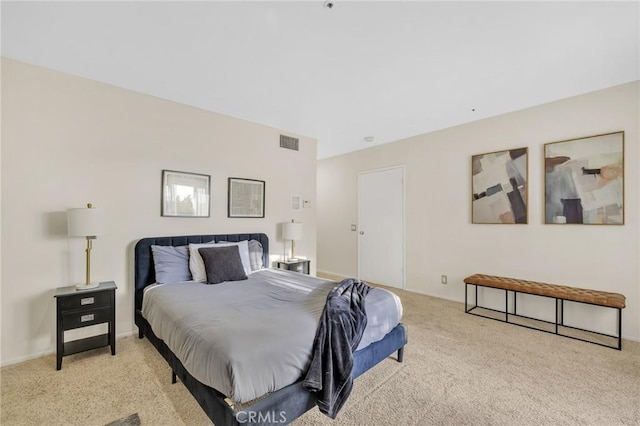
(143, 264)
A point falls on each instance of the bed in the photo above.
(282, 404)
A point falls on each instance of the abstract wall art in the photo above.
(499, 187)
(584, 180)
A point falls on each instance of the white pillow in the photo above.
(256, 255)
(243, 248)
(196, 264)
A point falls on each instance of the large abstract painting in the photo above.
(499, 187)
(584, 180)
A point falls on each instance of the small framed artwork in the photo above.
(499, 187)
(584, 180)
(245, 198)
(185, 194)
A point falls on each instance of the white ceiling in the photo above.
(385, 69)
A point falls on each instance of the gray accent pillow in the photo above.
(171, 263)
(255, 255)
(222, 264)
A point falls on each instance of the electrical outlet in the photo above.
(353, 227)
(443, 279)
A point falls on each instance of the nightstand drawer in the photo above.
(76, 319)
(297, 267)
(86, 300)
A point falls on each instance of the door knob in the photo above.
(361, 232)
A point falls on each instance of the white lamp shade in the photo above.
(291, 231)
(85, 222)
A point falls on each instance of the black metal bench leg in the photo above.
(466, 289)
(140, 334)
(173, 377)
(619, 329)
(401, 354)
(476, 286)
(557, 314)
(506, 306)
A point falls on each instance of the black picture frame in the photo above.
(185, 194)
(245, 198)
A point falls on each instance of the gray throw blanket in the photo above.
(339, 332)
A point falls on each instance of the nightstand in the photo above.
(297, 265)
(81, 308)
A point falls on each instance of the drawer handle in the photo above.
(85, 318)
(87, 301)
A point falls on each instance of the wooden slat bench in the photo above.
(558, 292)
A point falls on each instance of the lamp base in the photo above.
(80, 287)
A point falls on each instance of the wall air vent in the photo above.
(289, 143)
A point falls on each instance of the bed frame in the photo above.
(277, 408)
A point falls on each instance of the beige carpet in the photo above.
(459, 370)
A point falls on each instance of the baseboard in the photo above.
(133, 332)
(631, 338)
(333, 274)
(340, 276)
(26, 358)
(51, 352)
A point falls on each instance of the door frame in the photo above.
(403, 168)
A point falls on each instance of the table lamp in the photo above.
(292, 231)
(85, 222)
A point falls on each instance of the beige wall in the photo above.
(67, 141)
(440, 238)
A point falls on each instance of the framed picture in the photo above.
(584, 180)
(499, 187)
(245, 198)
(185, 194)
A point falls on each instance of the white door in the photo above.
(381, 226)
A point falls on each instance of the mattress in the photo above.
(252, 337)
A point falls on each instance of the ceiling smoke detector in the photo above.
(328, 4)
